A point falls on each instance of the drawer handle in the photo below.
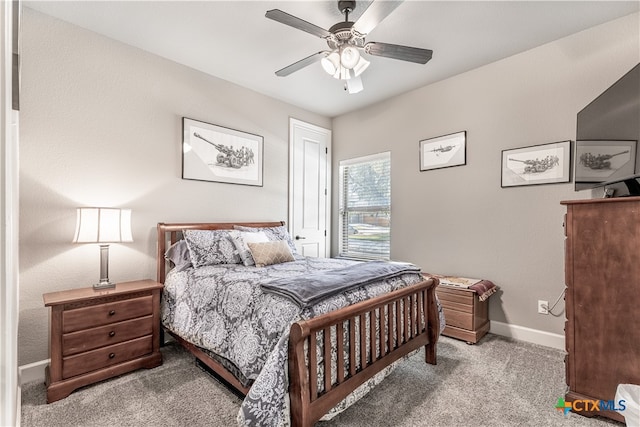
(112, 312)
(112, 333)
(112, 355)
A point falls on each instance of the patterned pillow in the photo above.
(240, 240)
(210, 247)
(178, 254)
(273, 233)
(268, 253)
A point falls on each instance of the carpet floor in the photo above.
(497, 382)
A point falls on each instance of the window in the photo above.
(365, 207)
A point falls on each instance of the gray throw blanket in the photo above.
(308, 290)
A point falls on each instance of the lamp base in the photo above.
(104, 282)
(104, 285)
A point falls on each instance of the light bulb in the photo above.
(349, 57)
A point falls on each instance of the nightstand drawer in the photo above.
(106, 356)
(89, 339)
(104, 314)
(466, 308)
(458, 319)
(457, 296)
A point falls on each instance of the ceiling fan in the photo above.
(347, 40)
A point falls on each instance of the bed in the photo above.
(274, 355)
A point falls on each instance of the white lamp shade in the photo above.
(349, 57)
(362, 65)
(331, 62)
(103, 225)
(342, 73)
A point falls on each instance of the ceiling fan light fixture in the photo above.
(362, 65)
(331, 63)
(346, 40)
(343, 74)
(349, 57)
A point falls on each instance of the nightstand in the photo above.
(99, 334)
(466, 317)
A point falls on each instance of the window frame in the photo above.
(343, 210)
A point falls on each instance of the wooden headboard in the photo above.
(169, 233)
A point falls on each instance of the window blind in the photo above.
(365, 207)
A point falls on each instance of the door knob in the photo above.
(300, 237)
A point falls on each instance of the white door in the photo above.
(309, 185)
(9, 310)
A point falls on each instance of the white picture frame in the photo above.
(537, 164)
(219, 154)
(443, 151)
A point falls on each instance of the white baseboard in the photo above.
(522, 333)
(18, 406)
(32, 371)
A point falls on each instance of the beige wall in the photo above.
(101, 125)
(459, 220)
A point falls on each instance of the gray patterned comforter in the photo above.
(222, 308)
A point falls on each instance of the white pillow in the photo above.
(240, 240)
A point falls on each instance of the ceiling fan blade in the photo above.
(295, 22)
(301, 64)
(375, 13)
(403, 53)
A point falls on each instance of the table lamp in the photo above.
(103, 226)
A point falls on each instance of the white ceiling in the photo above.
(234, 41)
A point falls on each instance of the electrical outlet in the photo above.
(543, 307)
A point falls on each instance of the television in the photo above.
(632, 182)
(608, 130)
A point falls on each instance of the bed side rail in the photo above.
(367, 337)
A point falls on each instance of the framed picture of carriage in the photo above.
(218, 154)
(537, 164)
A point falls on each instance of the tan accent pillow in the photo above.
(268, 253)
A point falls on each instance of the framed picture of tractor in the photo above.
(218, 154)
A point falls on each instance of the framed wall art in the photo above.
(218, 154)
(537, 164)
(443, 151)
(604, 160)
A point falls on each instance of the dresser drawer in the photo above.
(89, 339)
(458, 319)
(106, 356)
(104, 314)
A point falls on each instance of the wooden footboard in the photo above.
(378, 332)
(368, 337)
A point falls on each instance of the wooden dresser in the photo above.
(97, 335)
(466, 317)
(602, 269)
